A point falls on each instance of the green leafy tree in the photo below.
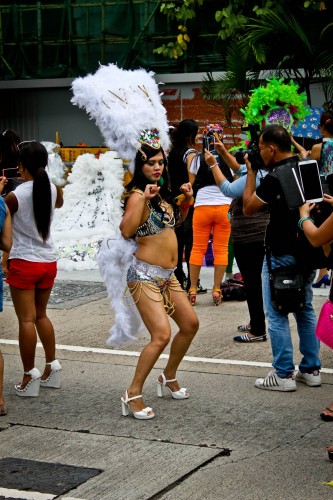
(230, 92)
(180, 11)
(231, 18)
(300, 50)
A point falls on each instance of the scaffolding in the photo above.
(59, 39)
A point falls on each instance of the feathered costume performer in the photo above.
(276, 103)
(126, 106)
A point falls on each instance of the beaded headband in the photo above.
(149, 138)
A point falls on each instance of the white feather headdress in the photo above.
(124, 104)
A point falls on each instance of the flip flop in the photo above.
(325, 417)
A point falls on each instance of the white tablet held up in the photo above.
(310, 180)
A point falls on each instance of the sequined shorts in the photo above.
(145, 277)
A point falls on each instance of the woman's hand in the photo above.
(328, 198)
(220, 148)
(248, 165)
(151, 191)
(187, 190)
(304, 210)
(3, 182)
(209, 158)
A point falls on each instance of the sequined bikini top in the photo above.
(156, 223)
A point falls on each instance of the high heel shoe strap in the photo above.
(127, 399)
(55, 365)
(165, 381)
(34, 373)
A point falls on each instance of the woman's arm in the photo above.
(59, 200)
(191, 176)
(317, 236)
(212, 164)
(227, 157)
(6, 233)
(233, 189)
(134, 210)
(186, 201)
(315, 151)
(11, 202)
(302, 151)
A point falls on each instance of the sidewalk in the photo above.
(228, 440)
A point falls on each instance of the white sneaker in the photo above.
(275, 383)
(311, 379)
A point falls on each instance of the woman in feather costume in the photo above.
(150, 215)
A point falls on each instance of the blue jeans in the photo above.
(278, 325)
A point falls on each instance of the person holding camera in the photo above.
(211, 209)
(282, 245)
(248, 235)
(9, 140)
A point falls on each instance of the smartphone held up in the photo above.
(10, 173)
(310, 181)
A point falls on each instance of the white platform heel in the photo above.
(54, 379)
(140, 415)
(31, 390)
(181, 394)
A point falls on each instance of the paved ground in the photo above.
(228, 441)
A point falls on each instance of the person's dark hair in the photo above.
(33, 157)
(184, 134)
(140, 181)
(277, 135)
(326, 121)
(9, 155)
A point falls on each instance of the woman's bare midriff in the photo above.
(158, 249)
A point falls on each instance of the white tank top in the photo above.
(27, 242)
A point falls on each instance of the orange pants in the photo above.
(209, 220)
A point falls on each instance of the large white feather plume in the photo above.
(123, 104)
(114, 259)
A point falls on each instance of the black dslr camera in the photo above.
(253, 152)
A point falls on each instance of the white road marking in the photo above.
(115, 352)
(26, 495)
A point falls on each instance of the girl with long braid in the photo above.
(32, 265)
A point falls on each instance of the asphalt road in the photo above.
(229, 440)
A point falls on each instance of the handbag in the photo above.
(324, 328)
(287, 287)
(233, 289)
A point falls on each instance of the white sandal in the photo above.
(140, 415)
(181, 394)
(32, 388)
(54, 379)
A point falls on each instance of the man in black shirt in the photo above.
(282, 241)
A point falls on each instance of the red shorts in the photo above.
(29, 275)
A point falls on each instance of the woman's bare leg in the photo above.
(194, 275)
(24, 304)
(219, 272)
(45, 328)
(153, 314)
(188, 323)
